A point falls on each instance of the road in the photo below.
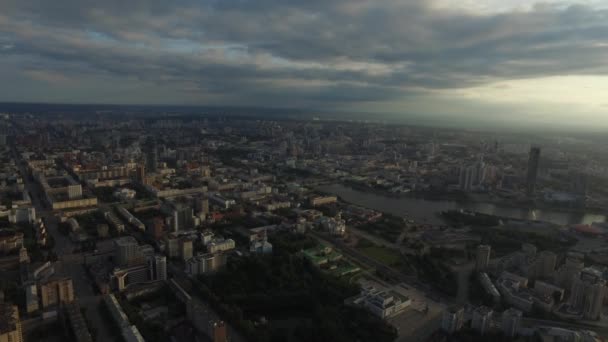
(71, 264)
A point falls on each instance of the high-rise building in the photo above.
(533, 162)
(467, 178)
(182, 218)
(172, 247)
(452, 320)
(186, 248)
(574, 265)
(546, 264)
(56, 291)
(159, 268)
(10, 323)
(202, 205)
(141, 174)
(482, 319)
(483, 257)
(511, 321)
(152, 158)
(155, 227)
(206, 263)
(127, 251)
(587, 293)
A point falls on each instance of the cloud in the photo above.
(311, 53)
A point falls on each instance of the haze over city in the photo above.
(486, 62)
(303, 171)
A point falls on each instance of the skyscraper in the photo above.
(533, 162)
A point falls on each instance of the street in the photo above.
(70, 264)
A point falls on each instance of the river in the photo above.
(423, 210)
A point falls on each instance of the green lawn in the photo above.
(382, 254)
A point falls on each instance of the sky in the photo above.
(502, 61)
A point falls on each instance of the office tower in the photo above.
(56, 291)
(587, 293)
(482, 318)
(511, 321)
(452, 320)
(482, 257)
(10, 324)
(182, 218)
(127, 251)
(533, 162)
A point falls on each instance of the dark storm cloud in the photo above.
(304, 52)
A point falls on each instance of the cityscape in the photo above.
(220, 228)
(304, 171)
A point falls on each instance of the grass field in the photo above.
(382, 254)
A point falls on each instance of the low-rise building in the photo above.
(220, 245)
(322, 200)
(56, 291)
(10, 323)
(259, 244)
(383, 304)
(204, 263)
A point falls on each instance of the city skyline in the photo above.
(503, 63)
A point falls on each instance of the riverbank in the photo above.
(474, 198)
(426, 210)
